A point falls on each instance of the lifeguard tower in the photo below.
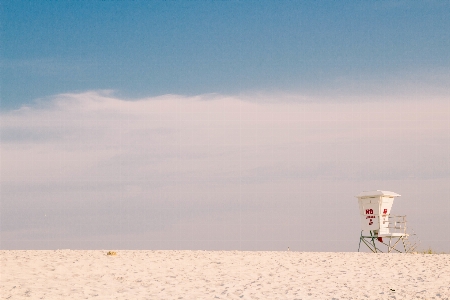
(380, 230)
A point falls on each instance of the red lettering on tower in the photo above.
(369, 211)
(385, 211)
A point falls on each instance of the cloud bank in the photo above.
(90, 170)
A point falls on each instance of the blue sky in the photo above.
(144, 48)
(221, 125)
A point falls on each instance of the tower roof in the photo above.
(376, 193)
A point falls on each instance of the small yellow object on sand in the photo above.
(111, 253)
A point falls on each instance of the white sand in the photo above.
(65, 274)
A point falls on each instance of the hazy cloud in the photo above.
(212, 170)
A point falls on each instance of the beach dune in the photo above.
(132, 274)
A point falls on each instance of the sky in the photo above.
(221, 125)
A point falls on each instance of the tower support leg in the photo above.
(360, 238)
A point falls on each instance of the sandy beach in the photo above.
(83, 274)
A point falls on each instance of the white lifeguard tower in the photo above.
(377, 223)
